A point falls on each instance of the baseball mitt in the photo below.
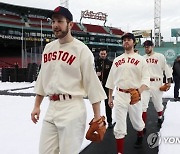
(165, 87)
(135, 96)
(96, 132)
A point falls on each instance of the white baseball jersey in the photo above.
(69, 69)
(156, 65)
(128, 71)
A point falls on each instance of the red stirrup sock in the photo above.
(144, 116)
(160, 114)
(140, 133)
(120, 145)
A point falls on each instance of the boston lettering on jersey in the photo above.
(61, 55)
(129, 60)
(152, 60)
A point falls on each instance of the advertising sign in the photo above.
(175, 32)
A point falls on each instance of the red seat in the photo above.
(95, 28)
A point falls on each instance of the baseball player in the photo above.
(103, 66)
(67, 75)
(128, 71)
(156, 66)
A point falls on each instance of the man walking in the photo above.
(103, 66)
(67, 75)
(128, 72)
(157, 66)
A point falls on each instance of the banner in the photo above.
(92, 15)
(175, 32)
(142, 33)
(11, 37)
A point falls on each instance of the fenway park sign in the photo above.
(92, 15)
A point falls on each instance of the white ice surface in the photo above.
(18, 135)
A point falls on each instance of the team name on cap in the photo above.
(59, 55)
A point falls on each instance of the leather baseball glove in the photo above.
(165, 87)
(96, 132)
(135, 96)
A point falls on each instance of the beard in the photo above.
(61, 33)
(127, 47)
(148, 52)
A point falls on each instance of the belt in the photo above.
(155, 79)
(60, 97)
(124, 90)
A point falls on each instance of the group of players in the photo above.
(70, 76)
(145, 73)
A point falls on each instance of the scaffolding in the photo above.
(157, 22)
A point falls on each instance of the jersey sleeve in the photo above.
(38, 88)
(91, 82)
(168, 72)
(110, 79)
(167, 69)
(145, 74)
(38, 85)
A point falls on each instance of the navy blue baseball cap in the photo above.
(62, 11)
(128, 35)
(148, 43)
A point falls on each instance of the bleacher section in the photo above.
(39, 26)
(76, 27)
(27, 30)
(35, 22)
(15, 20)
(116, 31)
(10, 16)
(95, 29)
(11, 22)
(9, 19)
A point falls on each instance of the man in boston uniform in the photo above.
(157, 66)
(128, 71)
(67, 75)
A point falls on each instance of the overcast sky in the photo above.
(125, 14)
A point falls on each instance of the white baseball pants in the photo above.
(122, 107)
(63, 127)
(156, 95)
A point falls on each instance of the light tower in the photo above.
(64, 3)
(157, 22)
